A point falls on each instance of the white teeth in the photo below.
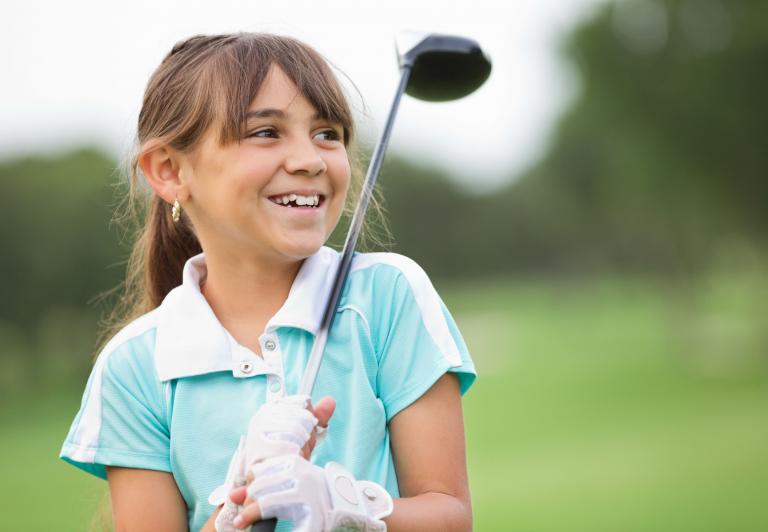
(311, 201)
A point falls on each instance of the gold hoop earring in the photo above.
(176, 211)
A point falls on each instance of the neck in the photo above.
(244, 290)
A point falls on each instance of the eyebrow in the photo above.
(263, 113)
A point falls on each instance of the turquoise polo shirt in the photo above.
(173, 390)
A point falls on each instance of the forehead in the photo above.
(280, 93)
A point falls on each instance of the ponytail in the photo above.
(161, 247)
(169, 245)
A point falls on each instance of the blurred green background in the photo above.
(614, 296)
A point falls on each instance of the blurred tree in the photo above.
(660, 162)
(657, 166)
(58, 248)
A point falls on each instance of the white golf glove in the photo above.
(277, 428)
(318, 499)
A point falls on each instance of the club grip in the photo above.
(268, 525)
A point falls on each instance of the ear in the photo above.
(161, 166)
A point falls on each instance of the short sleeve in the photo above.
(418, 339)
(122, 419)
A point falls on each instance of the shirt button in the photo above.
(246, 367)
(269, 345)
(274, 386)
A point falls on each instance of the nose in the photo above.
(303, 158)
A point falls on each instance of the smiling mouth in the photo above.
(295, 201)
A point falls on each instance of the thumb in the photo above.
(238, 495)
(323, 410)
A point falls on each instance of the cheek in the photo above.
(256, 173)
(240, 184)
(341, 173)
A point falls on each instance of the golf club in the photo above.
(436, 68)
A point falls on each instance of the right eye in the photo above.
(269, 132)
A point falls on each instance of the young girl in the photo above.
(246, 142)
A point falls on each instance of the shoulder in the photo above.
(124, 378)
(123, 414)
(131, 349)
(387, 260)
(385, 271)
(381, 285)
(393, 291)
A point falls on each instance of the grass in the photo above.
(610, 405)
(618, 406)
(42, 492)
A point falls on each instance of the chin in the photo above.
(301, 250)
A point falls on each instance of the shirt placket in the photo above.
(273, 359)
(246, 363)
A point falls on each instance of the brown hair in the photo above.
(205, 81)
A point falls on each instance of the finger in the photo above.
(306, 451)
(249, 515)
(238, 495)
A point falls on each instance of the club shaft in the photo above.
(318, 347)
(268, 525)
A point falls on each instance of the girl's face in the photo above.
(237, 192)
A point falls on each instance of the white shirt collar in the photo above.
(191, 340)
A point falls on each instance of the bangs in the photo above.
(240, 69)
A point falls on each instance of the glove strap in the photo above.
(355, 505)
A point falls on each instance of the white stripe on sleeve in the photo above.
(425, 295)
(86, 437)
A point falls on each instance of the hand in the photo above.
(285, 426)
(265, 426)
(316, 499)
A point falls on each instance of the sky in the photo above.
(74, 72)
